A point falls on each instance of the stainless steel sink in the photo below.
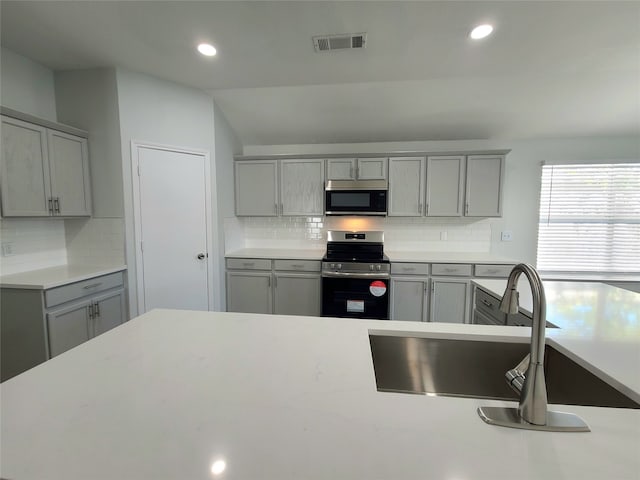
(469, 368)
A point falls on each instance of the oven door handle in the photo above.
(380, 275)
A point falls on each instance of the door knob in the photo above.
(200, 256)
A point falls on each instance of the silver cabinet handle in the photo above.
(51, 206)
(248, 264)
(449, 270)
(96, 310)
(426, 210)
(93, 285)
(488, 304)
(420, 208)
(56, 204)
(466, 208)
(200, 256)
(357, 172)
(297, 265)
(90, 307)
(276, 205)
(351, 171)
(408, 269)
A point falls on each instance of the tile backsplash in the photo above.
(95, 241)
(401, 233)
(29, 244)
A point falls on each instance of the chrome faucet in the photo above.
(527, 378)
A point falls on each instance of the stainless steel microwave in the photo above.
(356, 197)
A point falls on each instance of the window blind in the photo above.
(590, 218)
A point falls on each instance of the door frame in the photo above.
(137, 253)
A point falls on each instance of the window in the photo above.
(590, 218)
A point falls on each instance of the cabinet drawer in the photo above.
(456, 269)
(501, 271)
(297, 265)
(249, 263)
(66, 293)
(410, 268)
(490, 306)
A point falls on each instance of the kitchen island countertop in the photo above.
(281, 397)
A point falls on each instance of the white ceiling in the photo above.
(551, 69)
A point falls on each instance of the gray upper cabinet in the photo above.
(44, 172)
(483, 196)
(357, 168)
(445, 184)
(302, 187)
(257, 188)
(406, 186)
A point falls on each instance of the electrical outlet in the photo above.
(443, 235)
(7, 249)
(506, 235)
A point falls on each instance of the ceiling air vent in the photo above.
(327, 43)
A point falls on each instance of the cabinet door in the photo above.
(249, 292)
(68, 327)
(371, 169)
(302, 187)
(449, 300)
(409, 299)
(69, 167)
(256, 188)
(406, 186)
(24, 170)
(297, 294)
(444, 186)
(341, 169)
(484, 185)
(108, 311)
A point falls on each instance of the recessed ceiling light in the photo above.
(207, 49)
(481, 31)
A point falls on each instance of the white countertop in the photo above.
(168, 393)
(277, 254)
(394, 256)
(55, 276)
(448, 257)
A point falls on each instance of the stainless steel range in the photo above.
(355, 276)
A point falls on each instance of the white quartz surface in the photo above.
(394, 256)
(168, 393)
(277, 254)
(56, 276)
(448, 257)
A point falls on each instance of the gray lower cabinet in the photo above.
(285, 287)
(249, 292)
(410, 298)
(40, 324)
(449, 300)
(297, 294)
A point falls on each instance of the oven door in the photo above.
(355, 295)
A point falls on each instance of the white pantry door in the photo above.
(172, 231)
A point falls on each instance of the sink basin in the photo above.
(469, 368)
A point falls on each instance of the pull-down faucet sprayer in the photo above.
(528, 377)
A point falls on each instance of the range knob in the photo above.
(339, 266)
(371, 267)
(333, 265)
(378, 267)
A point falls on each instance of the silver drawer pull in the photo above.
(248, 264)
(488, 304)
(450, 270)
(408, 269)
(493, 270)
(297, 265)
(93, 285)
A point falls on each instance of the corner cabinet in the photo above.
(43, 172)
(40, 324)
(269, 188)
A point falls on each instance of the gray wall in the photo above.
(26, 86)
(522, 174)
(227, 145)
(161, 112)
(88, 99)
